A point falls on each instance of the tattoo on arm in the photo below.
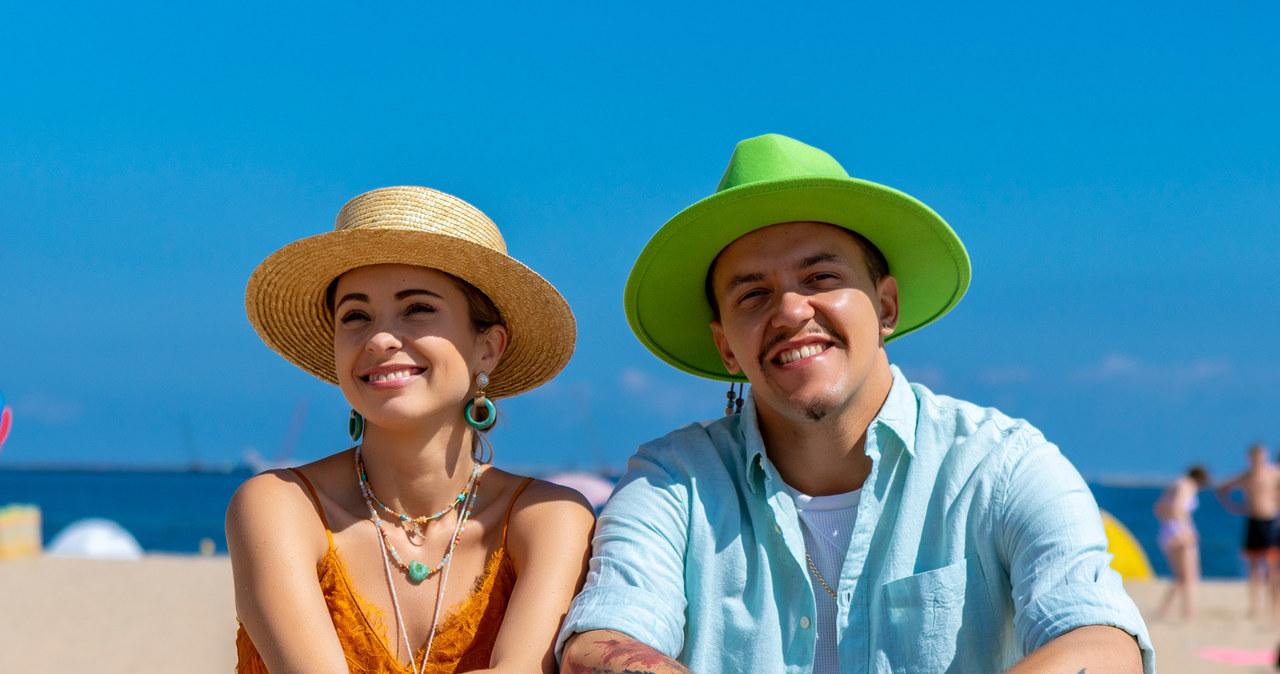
(630, 657)
(580, 669)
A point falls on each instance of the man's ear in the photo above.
(722, 345)
(887, 297)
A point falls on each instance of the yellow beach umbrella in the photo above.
(1128, 559)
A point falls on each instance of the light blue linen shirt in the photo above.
(976, 543)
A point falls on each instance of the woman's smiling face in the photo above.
(405, 345)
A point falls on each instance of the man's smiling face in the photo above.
(802, 318)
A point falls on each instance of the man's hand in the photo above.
(608, 652)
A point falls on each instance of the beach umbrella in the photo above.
(595, 488)
(96, 538)
(1127, 555)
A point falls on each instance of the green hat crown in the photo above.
(771, 156)
(773, 179)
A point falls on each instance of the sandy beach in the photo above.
(176, 614)
(1218, 640)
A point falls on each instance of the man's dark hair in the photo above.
(877, 267)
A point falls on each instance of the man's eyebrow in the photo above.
(742, 279)
(803, 263)
(819, 258)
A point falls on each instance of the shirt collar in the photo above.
(900, 411)
(898, 415)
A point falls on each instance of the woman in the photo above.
(407, 552)
(1179, 541)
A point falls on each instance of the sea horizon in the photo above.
(173, 508)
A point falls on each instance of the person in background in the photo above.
(1259, 486)
(1179, 541)
(408, 551)
(840, 519)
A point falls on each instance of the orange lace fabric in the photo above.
(463, 641)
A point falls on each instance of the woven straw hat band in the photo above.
(421, 209)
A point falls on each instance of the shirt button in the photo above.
(804, 622)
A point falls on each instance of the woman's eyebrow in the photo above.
(416, 291)
(359, 297)
(403, 294)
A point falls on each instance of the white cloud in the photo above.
(1123, 368)
(635, 381)
(931, 377)
(678, 402)
(1006, 374)
(48, 408)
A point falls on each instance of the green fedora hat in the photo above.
(773, 179)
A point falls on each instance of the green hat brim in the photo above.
(665, 295)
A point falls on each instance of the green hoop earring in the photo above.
(491, 414)
(355, 426)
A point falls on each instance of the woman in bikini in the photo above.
(1179, 541)
(407, 552)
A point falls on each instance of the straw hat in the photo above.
(418, 226)
(773, 179)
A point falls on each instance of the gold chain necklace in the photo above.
(814, 568)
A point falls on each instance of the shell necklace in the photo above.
(417, 571)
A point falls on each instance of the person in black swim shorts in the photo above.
(1260, 487)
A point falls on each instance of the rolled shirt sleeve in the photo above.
(1053, 543)
(635, 583)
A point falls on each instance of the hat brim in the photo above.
(665, 296)
(285, 299)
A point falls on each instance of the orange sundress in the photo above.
(463, 641)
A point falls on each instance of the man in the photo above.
(1260, 485)
(845, 520)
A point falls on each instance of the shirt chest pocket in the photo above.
(925, 615)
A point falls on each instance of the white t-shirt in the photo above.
(827, 523)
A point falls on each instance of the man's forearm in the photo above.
(1096, 649)
(608, 652)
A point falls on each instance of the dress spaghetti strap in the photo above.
(320, 509)
(506, 519)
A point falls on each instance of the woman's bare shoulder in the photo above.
(279, 504)
(271, 490)
(541, 494)
(545, 507)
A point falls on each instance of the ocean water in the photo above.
(172, 511)
(166, 511)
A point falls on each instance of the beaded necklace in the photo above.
(444, 578)
(415, 523)
(417, 571)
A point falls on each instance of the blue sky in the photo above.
(1113, 170)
